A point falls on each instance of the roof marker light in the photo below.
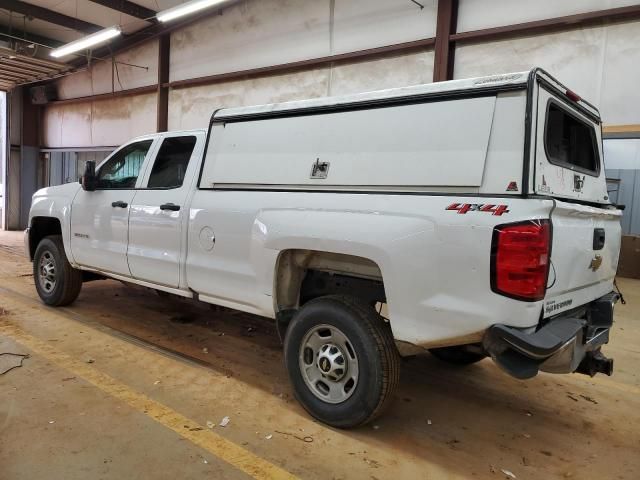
(573, 96)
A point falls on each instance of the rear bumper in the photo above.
(563, 345)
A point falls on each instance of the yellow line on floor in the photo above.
(217, 445)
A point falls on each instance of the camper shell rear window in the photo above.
(569, 141)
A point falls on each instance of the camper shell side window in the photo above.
(569, 141)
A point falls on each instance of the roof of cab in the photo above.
(508, 80)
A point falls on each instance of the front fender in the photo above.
(55, 202)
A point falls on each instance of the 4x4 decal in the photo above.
(463, 208)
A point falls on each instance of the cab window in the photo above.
(171, 162)
(570, 142)
(123, 168)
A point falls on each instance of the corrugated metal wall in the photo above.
(622, 162)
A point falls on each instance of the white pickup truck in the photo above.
(469, 218)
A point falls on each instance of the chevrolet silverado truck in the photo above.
(469, 218)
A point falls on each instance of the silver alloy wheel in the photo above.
(47, 272)
(328, 363)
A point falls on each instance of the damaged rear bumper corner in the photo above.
(563, 345)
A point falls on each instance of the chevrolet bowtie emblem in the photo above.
(595, 263)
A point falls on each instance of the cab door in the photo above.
(100, 219)
(159, 213)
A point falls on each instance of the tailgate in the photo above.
(584, 255)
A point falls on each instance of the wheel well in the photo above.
(42, 227)
(302, 275)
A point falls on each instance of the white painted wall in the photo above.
(250, 35)
(478, 14)
(99, 123)
(256, 34)
(192, 107)
(602, 64)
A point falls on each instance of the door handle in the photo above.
(119, 204)
(598, 238)
(170, 206)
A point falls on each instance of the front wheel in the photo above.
(57, 282)
(342, 360)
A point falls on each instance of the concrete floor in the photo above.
(122, 385)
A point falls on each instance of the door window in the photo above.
(171, 162)
(123, 168)
(570, 142)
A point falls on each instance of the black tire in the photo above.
(370, 338)
(457, 355)
(68, 280)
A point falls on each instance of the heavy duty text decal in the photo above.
(463, 208)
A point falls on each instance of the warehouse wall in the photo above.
(600, 63)
(249, 35)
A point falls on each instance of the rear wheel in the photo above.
(458, 355)
(57, 282)
(342, 360)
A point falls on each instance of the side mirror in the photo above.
(88, 179)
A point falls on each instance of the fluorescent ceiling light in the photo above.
(86, 42)
(186, 9)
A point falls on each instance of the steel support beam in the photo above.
(549, 25)
(164, 49)
(128, 8)
(398, 48)
(444, 54)
(49, 16)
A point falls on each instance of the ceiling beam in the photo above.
(17, 34)
(20, 68)
(36, 69)
(49, 16)
(129, 8)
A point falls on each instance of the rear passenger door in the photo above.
(159, 213)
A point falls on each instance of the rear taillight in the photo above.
(520, 259)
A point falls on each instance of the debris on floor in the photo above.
(305, 439)
(589, 399)
(90, 360)
(210, 424)
(9, 361)
(508, 473)
(224, 422)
